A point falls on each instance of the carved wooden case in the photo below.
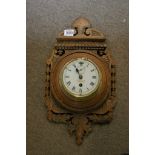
(79, 115)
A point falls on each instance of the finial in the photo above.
(81, 24)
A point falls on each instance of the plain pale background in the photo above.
(45, 19)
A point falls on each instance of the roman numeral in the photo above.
(81, 63)
(68, 69)
(92, 83)
(68, 83)
(74, 65)
(73, 88)
(66, 76)
(80, 90)
(92, 70)
(94, 77)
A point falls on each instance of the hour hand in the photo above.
(77, 70)
(80, 76)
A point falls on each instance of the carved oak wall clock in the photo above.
(80, 79)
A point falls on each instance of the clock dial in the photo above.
(80, 77)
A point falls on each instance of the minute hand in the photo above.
(77, 70)
(80, 76)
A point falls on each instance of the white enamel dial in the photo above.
(80, 77)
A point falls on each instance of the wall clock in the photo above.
(80, 79)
